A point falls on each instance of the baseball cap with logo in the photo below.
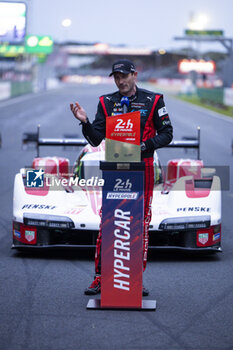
(123, 66)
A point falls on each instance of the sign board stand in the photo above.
(122, 229)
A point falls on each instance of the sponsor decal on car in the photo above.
(75, 210)
(203, 238)
(29, 235)
(195, 209)
(17, 234)
(216, 236)
(38, 206)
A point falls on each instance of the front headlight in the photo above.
(51, 221)
(185, 223)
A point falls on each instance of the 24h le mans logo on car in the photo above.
(35, 178)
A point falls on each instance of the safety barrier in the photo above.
(21, 88)
(217, 96)
(5, 90)
(10, 89)
(211, 95)
(228, 97)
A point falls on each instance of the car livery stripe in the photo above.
(94, 197)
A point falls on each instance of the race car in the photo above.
(54, 206)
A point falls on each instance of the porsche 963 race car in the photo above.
(63, 209)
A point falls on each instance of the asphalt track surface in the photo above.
(42, 305)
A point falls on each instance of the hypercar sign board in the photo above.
(121, 259)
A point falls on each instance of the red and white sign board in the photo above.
(123, 138)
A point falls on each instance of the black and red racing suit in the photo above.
(156, 132)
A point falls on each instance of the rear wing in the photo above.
(188, 142)
(193, 142)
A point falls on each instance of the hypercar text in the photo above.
(121, 249)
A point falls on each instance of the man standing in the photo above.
(156, 132)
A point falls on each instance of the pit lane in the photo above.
(41, 295)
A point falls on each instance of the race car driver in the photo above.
(156, 132)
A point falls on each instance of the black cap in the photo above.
(123, 66)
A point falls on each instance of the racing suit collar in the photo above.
(131, 98)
